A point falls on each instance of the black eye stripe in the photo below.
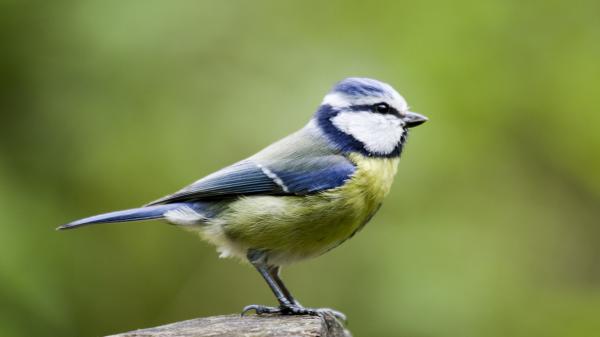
(382, 108)
(372, 107)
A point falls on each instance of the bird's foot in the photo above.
(260, 309)
(293, 309)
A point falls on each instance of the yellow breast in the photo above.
(297, 227)
(373, 177)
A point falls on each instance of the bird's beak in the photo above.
(412, 119)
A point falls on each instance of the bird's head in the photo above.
(367, 116)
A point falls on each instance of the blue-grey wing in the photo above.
(300, 164)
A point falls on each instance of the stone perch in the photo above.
(247, 326)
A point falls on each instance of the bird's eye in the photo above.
(381, 108)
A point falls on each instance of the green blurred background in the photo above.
(491, 228)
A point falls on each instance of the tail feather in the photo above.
(134, 214)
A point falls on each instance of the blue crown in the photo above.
(356, 86)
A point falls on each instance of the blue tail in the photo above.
(134, 214)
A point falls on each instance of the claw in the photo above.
(294, 309)
(331, 312)
(260, 309)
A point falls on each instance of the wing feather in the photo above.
(310, 167)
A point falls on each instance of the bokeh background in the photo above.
(492, 226)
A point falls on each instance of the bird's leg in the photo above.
(287, 304)
(258, 260)
(274, 272)
(296, 307)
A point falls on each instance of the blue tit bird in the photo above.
(299, 197)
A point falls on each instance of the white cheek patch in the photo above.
(379, 133)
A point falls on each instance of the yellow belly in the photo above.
(291, 228)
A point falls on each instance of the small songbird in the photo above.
(299, 197)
